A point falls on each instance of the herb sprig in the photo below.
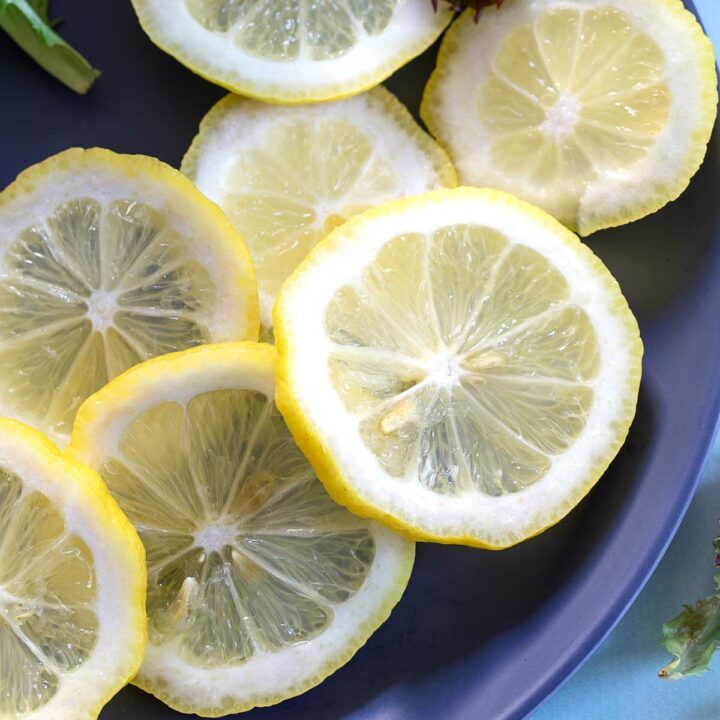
(694, 635)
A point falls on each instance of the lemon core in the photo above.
(215, 536)
(561, 118)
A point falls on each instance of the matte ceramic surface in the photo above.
(479, 635)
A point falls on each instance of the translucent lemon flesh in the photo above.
(246, 553)
(304, 179)
(85, 295)
(576, 93)
(48, 625)
(314, 29)
(463, 360)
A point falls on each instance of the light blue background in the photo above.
(620, 681)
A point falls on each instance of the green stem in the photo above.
(32, 32)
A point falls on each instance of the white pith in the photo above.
(102, 305)
(562, 117)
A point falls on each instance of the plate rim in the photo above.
(565, 669)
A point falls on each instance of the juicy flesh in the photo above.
(48, 626)
(88, 294)
(281, 31)
(305, 178)
(575, 95)
(462, 360)
(246, 552)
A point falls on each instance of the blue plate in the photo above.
(479, 635)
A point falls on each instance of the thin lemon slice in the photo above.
(259, 584)
(285, 176)
(457, 365)
(72, 585)
(295, 50)
(107, 260)
(598, 111)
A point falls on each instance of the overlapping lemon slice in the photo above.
(599, 111)
(107, 260)
(457, 365)
(259, 585)
(286, 176)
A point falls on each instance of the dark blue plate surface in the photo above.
(479, 635)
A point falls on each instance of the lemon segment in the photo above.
(293, 52)
(598, 111)
(259, 585)
(287, 176)
(72, 585)
(457, 365)
(107, 260)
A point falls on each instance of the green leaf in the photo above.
(694, 635)
(26, 21)
(41, 7)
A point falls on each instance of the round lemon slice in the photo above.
(72, 585)
(259, 585)
(295, 51)
(107, 260)
(285, 176)
(599, 111)
(457, 365)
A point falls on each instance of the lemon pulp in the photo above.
(599, 112)
(259, 585)
(316, 29)
(576, 93)
(463, 360)
(294, 51)
(246, 553)
(307, 177)
(96, 289)
(457, 365)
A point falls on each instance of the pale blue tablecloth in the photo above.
(620, 681)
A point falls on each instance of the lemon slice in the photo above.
(598, 111)
(457, 365)
(72, 585)
(107, 260)
(259, 585)
(294, 51)
(285, 176)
